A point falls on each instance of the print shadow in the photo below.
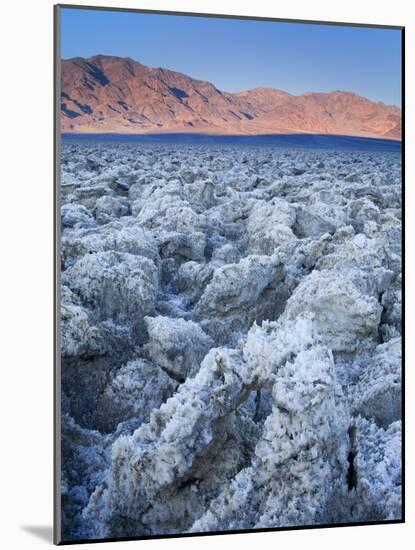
(43, 532)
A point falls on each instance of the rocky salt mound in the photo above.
(231, 353)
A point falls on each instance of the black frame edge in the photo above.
(403, 169)
(56, 274)
(234, 532)
(227, 16)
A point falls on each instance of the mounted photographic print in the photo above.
(228, 274)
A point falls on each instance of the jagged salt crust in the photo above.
(230, 333)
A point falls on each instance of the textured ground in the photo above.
(231, 352)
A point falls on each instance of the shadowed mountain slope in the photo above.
(105, 94)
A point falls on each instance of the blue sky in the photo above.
(238, 54)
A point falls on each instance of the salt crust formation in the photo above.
(231, 352)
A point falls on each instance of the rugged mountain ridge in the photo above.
(111, 94)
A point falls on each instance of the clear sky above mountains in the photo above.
(237, 55)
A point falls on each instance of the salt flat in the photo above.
(231, 337)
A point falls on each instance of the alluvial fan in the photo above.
(231, 324)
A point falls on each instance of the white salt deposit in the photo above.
(231, 353)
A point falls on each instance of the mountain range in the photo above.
(108, 94)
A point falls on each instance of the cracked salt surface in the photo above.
(231, 321)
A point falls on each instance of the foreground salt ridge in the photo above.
(230, 338)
